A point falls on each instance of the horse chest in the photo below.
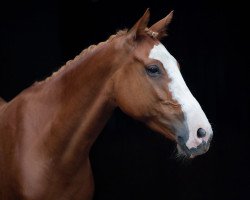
(44, 181)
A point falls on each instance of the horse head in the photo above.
(149, 87)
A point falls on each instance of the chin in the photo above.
(183, 154)
(183, 151)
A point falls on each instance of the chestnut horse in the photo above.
(46, 132)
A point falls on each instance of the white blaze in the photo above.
(194, 115)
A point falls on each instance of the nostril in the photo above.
(201, 133)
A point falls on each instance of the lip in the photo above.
(193, 152)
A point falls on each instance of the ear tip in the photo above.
(147, 12)
(171, 13)
(169, 16)
(146, 15)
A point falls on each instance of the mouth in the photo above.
(183, 150)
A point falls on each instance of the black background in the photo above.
(129, 161)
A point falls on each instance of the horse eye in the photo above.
(153, 70)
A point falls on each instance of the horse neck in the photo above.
(2, 102)
(82, 101)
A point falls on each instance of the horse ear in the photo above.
(139, 28)
(160, 27)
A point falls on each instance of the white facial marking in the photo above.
(195, 118)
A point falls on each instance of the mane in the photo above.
(84, 52)
(91, 48)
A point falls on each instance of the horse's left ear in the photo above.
(160, 27)
(139, 28)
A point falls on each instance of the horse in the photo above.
(48, 129)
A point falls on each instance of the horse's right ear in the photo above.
(139, 28)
